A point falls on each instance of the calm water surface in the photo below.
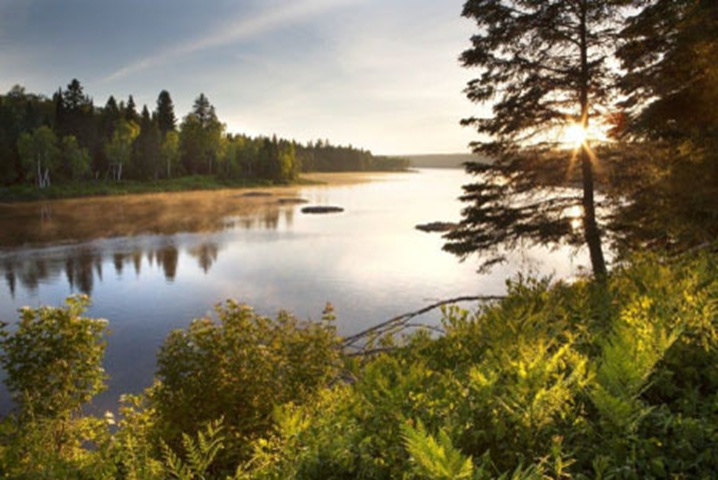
(153, 263)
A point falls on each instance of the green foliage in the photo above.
(76, 160)
(201, 133)
(436, 459)
(199, 453)
(556, 381)
(169, 151)
(39, 154)
(119, 148)
(230, 368)
(53, 359)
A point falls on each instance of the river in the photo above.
(152, 263)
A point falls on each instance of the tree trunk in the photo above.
(590, 227)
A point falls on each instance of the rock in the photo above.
(292, 201)
(322, 209)
(256, 194)
(437, 227)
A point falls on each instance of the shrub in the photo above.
(238, 368)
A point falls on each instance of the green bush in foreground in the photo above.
(583, 381)
(53, 362)
(237, 368)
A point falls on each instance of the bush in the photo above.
(53, 362)
(238, 368)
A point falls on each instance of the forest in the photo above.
(67, 139)
(609, 375)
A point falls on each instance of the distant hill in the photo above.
(441, 160)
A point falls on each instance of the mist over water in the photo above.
(153, 263)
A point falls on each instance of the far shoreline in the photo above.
(19, 194)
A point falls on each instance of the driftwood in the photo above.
(359, 341)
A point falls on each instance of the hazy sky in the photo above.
(379, 74)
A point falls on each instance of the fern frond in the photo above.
(436, 460)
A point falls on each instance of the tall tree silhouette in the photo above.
(165, 113)
(543, 68)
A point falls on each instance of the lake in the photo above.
(152, 263)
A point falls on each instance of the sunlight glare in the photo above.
(575, 214)
(574, 135)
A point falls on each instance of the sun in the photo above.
(574, 135)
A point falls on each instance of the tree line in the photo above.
(67, 138)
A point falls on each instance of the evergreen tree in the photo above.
(75, 115)
(669, 179)
(130, 111)
(201, 134)
(147, 148)
(165, 113)
(543, 65)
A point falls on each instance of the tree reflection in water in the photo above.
(122, 231)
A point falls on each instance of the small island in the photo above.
(322, 209)
(437, 226)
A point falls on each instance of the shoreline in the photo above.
(24, 194)
(31, 224)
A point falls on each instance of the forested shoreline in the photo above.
(67, 140)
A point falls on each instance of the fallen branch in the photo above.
(401, 322)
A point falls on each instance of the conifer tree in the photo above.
(165, 113)
(147, 148)
(130, 111)
(543, 68)
(201, 135)
(670, 119)
(75, 114)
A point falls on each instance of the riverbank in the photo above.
(30, 193)
(168, 211)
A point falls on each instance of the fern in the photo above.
(639, 341)
(199, 452)
(436, 459)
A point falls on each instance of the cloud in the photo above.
(267, 20)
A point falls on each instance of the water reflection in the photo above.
(41, 241)
(81, 220)
(84, 265)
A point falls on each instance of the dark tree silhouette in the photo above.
(165, 113)
(543, 68)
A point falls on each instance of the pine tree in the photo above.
(130, 111)
(75, 115)
(201, 135)
(146, 151)
(543, 69)
(670, 126)
(165, 113)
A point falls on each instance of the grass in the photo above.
(22, 193)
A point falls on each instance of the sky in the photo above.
(377, 74)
